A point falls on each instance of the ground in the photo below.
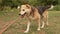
(20, 25)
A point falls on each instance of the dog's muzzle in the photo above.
(22, 15)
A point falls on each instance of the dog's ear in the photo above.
(18, 7)
(27, 5)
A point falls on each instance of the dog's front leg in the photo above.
(28, 26)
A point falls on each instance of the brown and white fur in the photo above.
(33, 13)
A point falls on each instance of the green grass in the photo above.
(19, 26)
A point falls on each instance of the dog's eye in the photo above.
(23, 10)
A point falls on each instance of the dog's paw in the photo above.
(38, 29)
(25, 31)
(42, 27)
(47, 24)
(43, 24)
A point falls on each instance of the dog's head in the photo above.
(25, 9)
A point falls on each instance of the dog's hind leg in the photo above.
(43, 24)
(45, 17)
(38, 20)
(47, 20)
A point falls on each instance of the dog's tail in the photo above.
(49, 6)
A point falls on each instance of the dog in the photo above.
(33, 13)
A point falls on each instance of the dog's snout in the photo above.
(19, 14)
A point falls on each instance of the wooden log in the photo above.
(8, 25)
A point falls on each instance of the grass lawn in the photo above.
(19, 26)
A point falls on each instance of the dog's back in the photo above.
(41, 9)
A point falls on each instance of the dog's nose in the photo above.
(19, 14)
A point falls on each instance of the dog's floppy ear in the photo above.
(27, 5)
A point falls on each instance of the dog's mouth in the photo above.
(22, 15)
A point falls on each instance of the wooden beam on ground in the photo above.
(8, 25)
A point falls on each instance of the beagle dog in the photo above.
(38, 14)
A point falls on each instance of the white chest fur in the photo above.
(31, 17)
